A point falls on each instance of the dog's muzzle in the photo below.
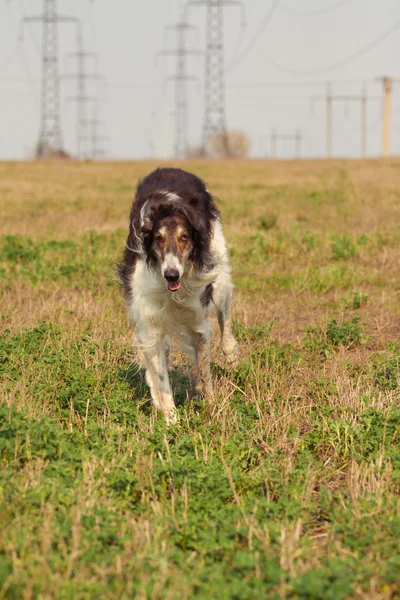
(173, 278)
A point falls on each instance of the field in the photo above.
(286, 486)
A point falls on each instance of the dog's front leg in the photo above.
(228, 342)
(156, 363)
(201, 347)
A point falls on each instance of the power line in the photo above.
(338, 64)
(239, 39)
(11, 56)
(28, 75)
(16, 79)
(235, 62)
(257, 84)
(237, 46)
(292, 84)
(320, 11)
(353, 130)
(30, 33)
(133, 84)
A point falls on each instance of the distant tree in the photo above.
(195, 152)
(231, 143)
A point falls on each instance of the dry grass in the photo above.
(286, 486)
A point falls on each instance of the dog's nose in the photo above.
(171, 275)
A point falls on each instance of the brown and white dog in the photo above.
(175, 272)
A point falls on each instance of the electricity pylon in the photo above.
(181, 78)
(50, 136)
(214, 83)
(81, 97)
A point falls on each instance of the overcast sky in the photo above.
(138, 110)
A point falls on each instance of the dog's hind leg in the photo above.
(156, 363)
(228, 343)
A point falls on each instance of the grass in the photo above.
(287, 485)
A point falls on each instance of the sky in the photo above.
(276, 76)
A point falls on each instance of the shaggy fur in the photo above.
(174, 273)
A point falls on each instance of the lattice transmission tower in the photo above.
(81, 97)
(95, 137)
(214, 121)
(181, 78)
(50, 136)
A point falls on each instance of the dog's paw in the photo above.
(231, 351)
(207, 392)
(171, 416)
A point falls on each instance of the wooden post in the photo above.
(387, 87)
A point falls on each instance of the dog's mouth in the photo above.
(173, 286)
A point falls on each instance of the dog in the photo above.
(174, 273)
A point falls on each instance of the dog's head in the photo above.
(174, 237)
(171, 246)
(168, 239)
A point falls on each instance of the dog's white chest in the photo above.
(171, 313)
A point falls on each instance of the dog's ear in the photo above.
(197, 218)
(146, 221)
(200, 210)
(146, 225)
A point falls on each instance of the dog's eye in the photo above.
(184, 238)
(159, 237)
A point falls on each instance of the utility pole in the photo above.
(275, 137)
(214, 84)
(387, 91)
(81, 98)
(329, 100)
(181, 78)
(50, 137)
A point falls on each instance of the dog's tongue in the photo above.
(174, 285)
